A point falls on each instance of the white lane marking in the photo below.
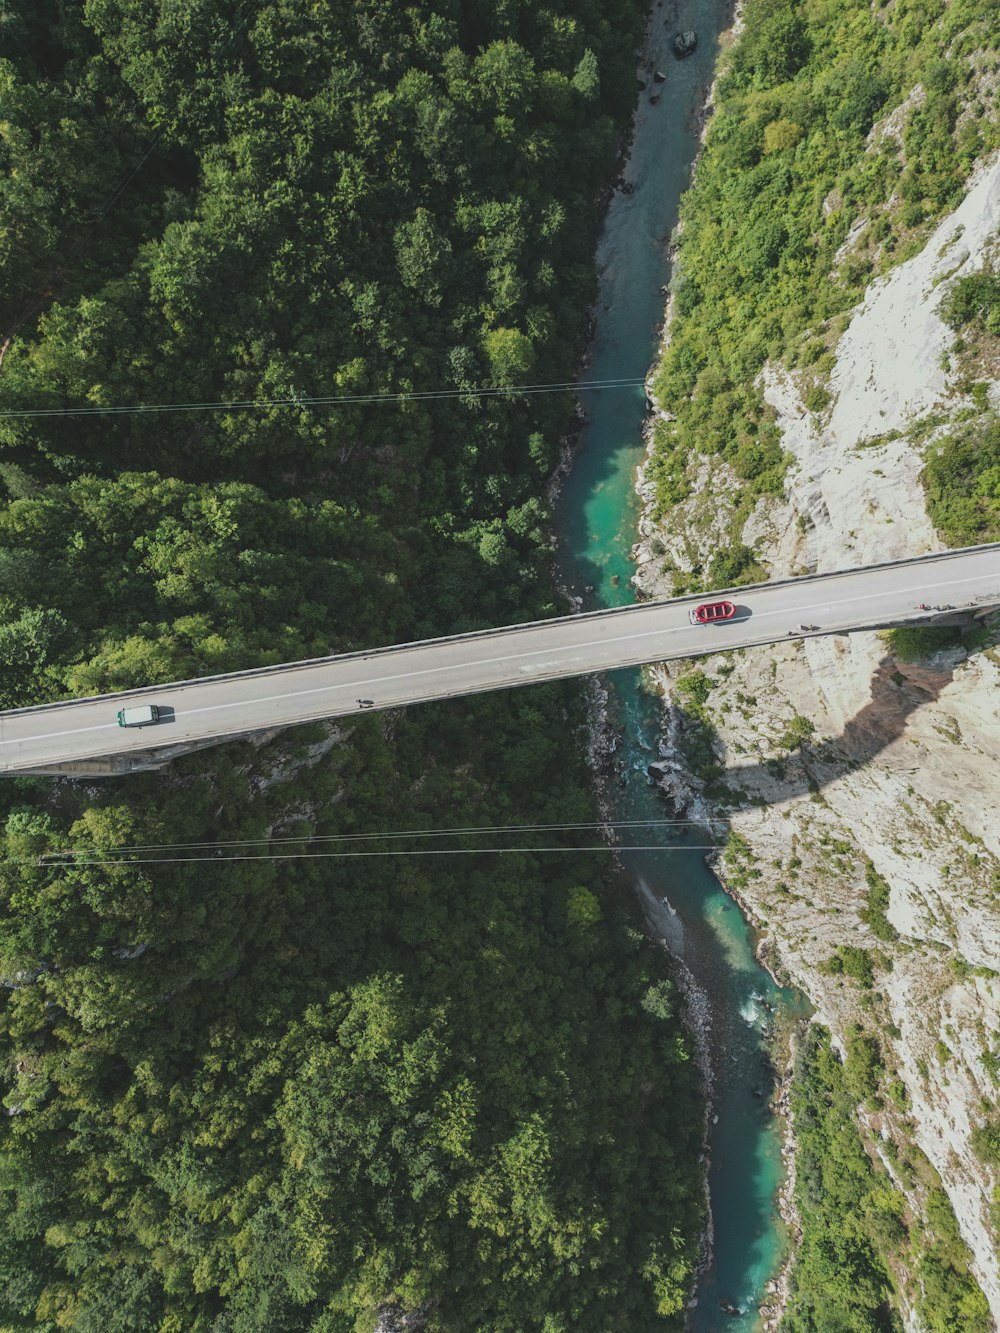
(544, 666)
(368, 681)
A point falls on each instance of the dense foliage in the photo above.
(973, 300)
(283, 1094)
(274, 1094)
(962, 481)
(858, 1236)
(840, 1279)
(788, 168)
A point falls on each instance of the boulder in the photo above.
(685, 43)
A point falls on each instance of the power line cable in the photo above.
(324, 856)
(391, 834)
(320, 400)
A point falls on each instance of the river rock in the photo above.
(685, 43)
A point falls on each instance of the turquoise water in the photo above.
(597, 527)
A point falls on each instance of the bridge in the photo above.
(81, 737)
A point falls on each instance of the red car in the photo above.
(709, 612)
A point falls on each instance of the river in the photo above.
(597, 525)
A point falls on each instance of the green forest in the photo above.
(860, 1241)
(288, 1094)
(787, 169)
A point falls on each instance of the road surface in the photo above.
(202, 711)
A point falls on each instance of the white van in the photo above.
(140, 716)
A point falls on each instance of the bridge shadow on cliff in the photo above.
(805, 765)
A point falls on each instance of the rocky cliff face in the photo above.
(865, 791)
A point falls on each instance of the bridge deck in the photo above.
(202, 711)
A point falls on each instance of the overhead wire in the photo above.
(126, 180)
(389, 835)
(326, 856)
(395, 834)
(326, 400)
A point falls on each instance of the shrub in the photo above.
(781, 135)
(985, 1141)
(917, 642)
(874, 915)
(962, 481)
(733, 565)
(695, 687)
(973, 300)
(817, 398)
(863, 1066)
(851, 961)
(797, 733)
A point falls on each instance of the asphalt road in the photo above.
(212, 708)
